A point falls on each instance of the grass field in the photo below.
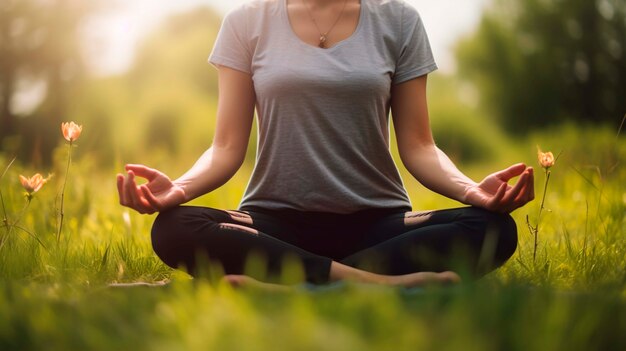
(55, 294)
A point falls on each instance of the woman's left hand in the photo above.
(495, 194)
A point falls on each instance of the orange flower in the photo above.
(34, 183)
(71, 131)
(546, 159)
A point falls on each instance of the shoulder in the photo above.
(390, 6)
(394, 10)
(395, 19)
(248, 21)
(254, 8)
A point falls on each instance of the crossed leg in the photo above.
(392, 248)
(467, 239)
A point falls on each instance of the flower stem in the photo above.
(61, 213)
(545, 190)
(541, 207)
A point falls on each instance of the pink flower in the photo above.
(546, 159)
(71, 131)
(34, 183)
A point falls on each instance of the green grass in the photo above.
(54, 293)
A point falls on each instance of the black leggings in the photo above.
(470, 240)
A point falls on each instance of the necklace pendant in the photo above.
(322, 43)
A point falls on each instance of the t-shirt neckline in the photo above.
(292, 33)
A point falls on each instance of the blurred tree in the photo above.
(19, 41)
(39, 55)
(177, 52)
(539, 62)
(171, 81)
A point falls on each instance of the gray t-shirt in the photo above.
(323, 114)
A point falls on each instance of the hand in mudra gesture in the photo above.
(158, 194)
(495, 194)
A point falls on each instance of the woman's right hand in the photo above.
(158, 194)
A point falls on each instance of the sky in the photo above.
(113, 36)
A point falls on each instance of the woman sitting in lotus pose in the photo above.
(324, 76)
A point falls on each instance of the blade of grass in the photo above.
(4, 210)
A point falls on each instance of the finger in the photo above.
(152, 200)
(142, 171)
(512, 194)
(138, 203)
(130, 190)
(528, 192)
(120, 189)
(511, 172)
(523, 197)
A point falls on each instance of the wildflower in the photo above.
(34, 183)
(546, 159)
(71, 131)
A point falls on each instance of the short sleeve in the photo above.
(231, 46)
(415, 57)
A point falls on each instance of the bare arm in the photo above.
(434, 169)
(214, 168)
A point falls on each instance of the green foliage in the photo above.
(462, 131)
(586, 212)
(177, 52)
(165, 106)
(541, 62)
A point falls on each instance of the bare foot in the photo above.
(423, 279)
(412, 280)
(339, 271)
(244, 281)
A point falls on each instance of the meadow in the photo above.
(55, 290)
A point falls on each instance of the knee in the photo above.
(504, 228)
(498, 231)
(180, 234)
(166, 235)
(165, 225)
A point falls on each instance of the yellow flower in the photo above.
(71, 131)
(34, 183)
(546, 159)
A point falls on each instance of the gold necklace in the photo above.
(324, 36)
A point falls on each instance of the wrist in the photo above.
(184, 188)
(467, 190)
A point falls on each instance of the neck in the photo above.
(323, 3)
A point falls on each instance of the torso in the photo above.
(323, 114)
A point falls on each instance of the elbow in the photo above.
(412, 150)
(231, 154)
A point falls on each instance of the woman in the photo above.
(323, 76)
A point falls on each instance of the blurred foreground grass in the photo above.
(54, 293)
